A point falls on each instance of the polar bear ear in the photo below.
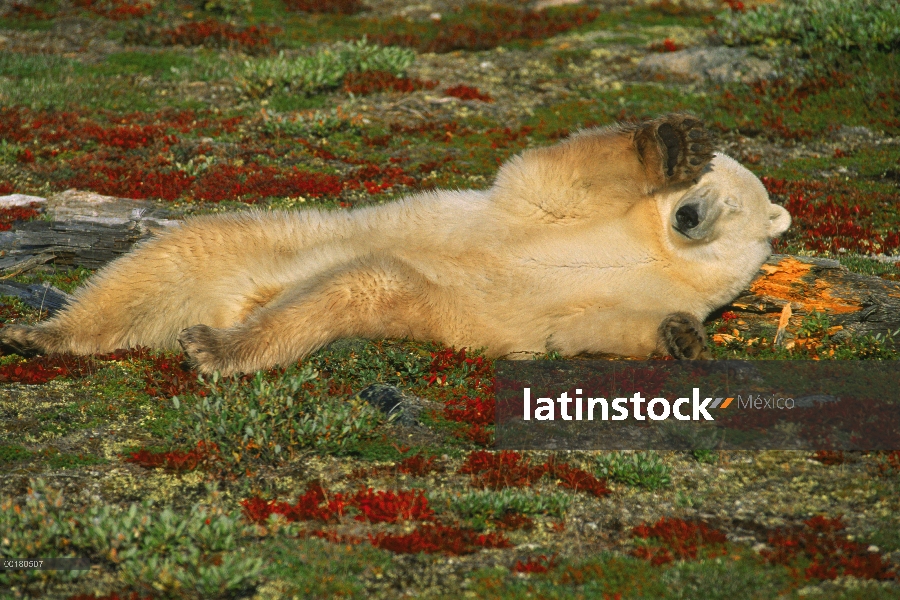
(779, 220)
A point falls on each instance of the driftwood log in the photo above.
(859, 304)
(66, 243)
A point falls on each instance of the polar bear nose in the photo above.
(687, 217)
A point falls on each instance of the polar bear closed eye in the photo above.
(619, 239)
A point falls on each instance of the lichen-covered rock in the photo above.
(720, 64)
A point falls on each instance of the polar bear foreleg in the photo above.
(372, 299)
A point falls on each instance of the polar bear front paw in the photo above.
(678, 145)
(683, 337)
(203, 349)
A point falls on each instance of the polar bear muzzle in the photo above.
(695, 215)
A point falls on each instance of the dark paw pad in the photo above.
(683, 143)
(683, 336)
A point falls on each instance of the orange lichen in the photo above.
(785, 281)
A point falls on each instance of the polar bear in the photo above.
(617, 240)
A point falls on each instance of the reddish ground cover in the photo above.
(488, 26)
(829, 554)
(42, 369)
(464, 92)
(510, 469)
(673, 539)
(535, 564)
(338, 7)
(9, 216)
(830, 217)
(369, 82)
(437, 538)
(175, 460)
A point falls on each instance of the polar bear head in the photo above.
(724, 222)
(726, 208)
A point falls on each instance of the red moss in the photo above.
(117, 10)
(535, 564)
(829, 216)
(576, 479)
(488, 26)
(417, 466)
(476, 411)
(166, 376)
(311, 506)
(369, 82)
(464, 92)
(210, 33)
(390, 506)
(251, 183)
(831, 554)
(335, 7)
(734, 5)
(512, 521)
(829, 457)
(175, 460)
(12, 215)
(125, 182)
(42, 369)
(6, 187)
(500, 470)
(889, 463)
(437, 538)
(666, 45)
(677, 539)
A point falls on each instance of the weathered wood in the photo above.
(35, 295)
(861, 304)
(73, 243)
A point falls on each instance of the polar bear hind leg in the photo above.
(375, 298)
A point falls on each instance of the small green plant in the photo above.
(226, 7)
(320, 124)
(814, 325)
(273, 420)
(816, 24)
(643, 469)
(704, 455)
(70, 461)
(194, 555)
(323, 70)
(486, 504)
(10, 453)
(9, 153)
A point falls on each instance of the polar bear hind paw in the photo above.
(18, 339)
(203, 349)
(678, 143)
(683, 337)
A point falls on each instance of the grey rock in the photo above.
(77, 205)
(846, 133)
(404, 410)
(20, 200)
(721, 64)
